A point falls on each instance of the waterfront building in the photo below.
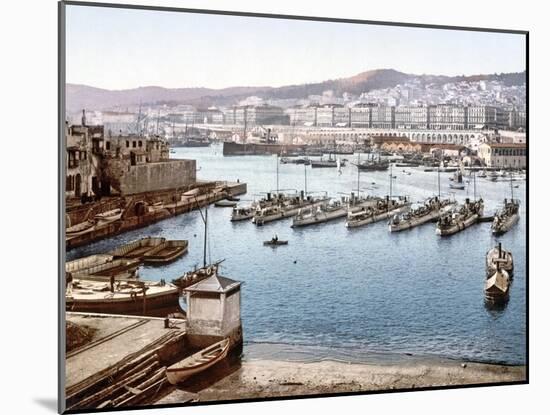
(504, 155)
(259, 115)
(447, 117)
(122, 164)
(382, 116)
(360, 116)
(302, 116)
(409, 117)
(482, 117)
(82, 174)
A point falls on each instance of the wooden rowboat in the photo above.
(275, 243)
(166, 252)
(197, 362)
(225, 203)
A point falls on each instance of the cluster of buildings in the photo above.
(101, 165)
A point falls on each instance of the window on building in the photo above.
(127, 144)
(107, 145)
(133, 144)
(140, 143)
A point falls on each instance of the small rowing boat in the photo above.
(197, 362)
(275, 242)
(225, 203)
(167, 251)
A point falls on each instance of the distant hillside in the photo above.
(82, 96)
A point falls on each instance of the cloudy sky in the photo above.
(120, 48)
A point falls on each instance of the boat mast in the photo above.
(391, 179)
(438, 183)
(277, 174)
(305, 179)
(475, 198)
(205, 233)
(205, 220)
(511, 187)
(358, 171)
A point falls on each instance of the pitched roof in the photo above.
(214, 284)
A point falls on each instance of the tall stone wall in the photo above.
(164, 175)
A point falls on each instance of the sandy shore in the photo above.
(269, 378)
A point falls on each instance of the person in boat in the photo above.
(275, 238)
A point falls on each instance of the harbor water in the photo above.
(353, 291)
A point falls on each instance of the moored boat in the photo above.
(383, 209)
(430, 210)
(138, 248)
(457, 182)
(460, 218)
(321, 214)
(82, 264)
(197, 362)
(498, 258)
(241, 213)
(225, 203)
(120, 268)
(285, 209)
(108, 216)
(167, 251)
(145, 298)
(497, 287)
(507, 217)
(79, 229)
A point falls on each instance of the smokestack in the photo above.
(83, 121)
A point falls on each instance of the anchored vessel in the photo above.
(321, 214)
(374, 165)
(497, 287)
(459, 219)
(457, 182)
(430, 210)
(507, 217)
(242, 213)
(499, 258)
(383, 209)
(285, 208)
(121, 296)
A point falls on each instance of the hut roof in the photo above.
(214, 284)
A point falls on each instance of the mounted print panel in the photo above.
(261, 206)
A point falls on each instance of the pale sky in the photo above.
(122, 48)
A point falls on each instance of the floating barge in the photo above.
(122, 296)
(137, 249)
(167, 251)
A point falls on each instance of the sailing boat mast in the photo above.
(205, 233)
(277, 174)
(305, 179)
(438, 183)
(391, 180)
(205, 220)
(511, 187)
(475, 198)
(358, 171)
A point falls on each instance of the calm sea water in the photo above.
(354, 291)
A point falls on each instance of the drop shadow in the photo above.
(48, 403)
